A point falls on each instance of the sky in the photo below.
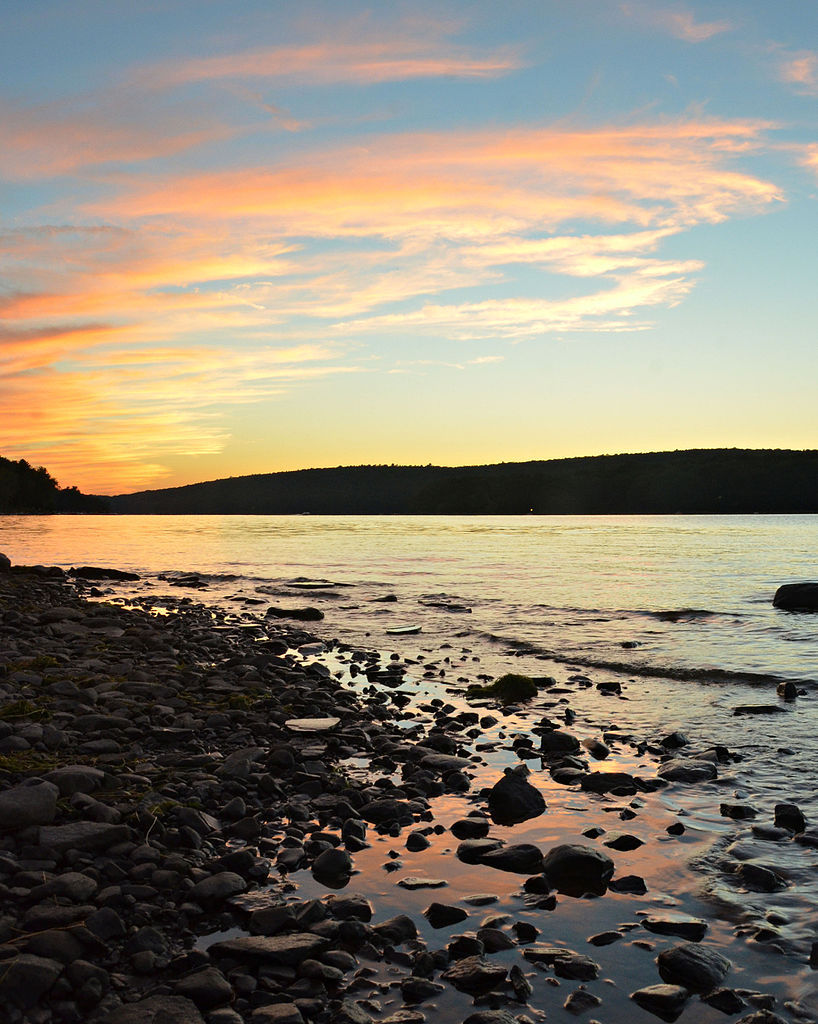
(256, 236)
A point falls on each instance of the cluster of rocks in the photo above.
(163, 776)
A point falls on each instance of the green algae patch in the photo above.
(508, 689)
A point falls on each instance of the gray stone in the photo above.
(695, 967)
(207, 988)
(82, 835)
(692, 928)
(277, 1013)
(441, 915)
(523, 858)
(332, 864)
(76, 778)
(30, 803)
(286, 950)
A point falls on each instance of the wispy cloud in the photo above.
(676, 21)
(800, 69)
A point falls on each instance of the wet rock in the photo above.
(664, 1001)
(695, 967)
(490, 1017)
(739, 812)
(797, 597)
(417, 990)
(757, 878)
(580, 1001)
(575, 869)
(605, 938)
(494, 940)
(513, 799)
(762, 1017)
(332, 864)
(441, 915)
(31, 803)
(159, 1009)
(787, 691)
(76, 778)
(285, 950)
(347, 1012)
(790, 817)
(521, 986)
(463, 946)
(557, 741)
(416, 841)
(388, 809)
(5, 563)
(472, 851)
(725, 999)
(622, 841)
(576, 967)
(396, 929)
(413, 882)
(609, 782)
(350, 906)
(475, 975)
(674, 740)
(687, 770)
(470, 828)
(523, 858)
(692, 928)
(758, 709)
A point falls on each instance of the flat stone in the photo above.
(413, 882)
(211, 892)
(692, 928)
(286, 950)
(475, 975)
(687, 770)
(25, 978)
(523, 858)
(76, 778)
(312, 724)
(82, 835)
(441, 915)
(607, 782)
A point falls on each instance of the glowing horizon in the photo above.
(444, 234)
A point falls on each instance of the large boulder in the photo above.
(575, 869)
(797, 597)
(695, 967)
(513, 799)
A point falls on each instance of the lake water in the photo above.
(678, 609)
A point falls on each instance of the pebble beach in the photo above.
(207, 816)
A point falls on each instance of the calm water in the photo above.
(677, 608)
(693, 593)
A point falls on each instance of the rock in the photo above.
(508, 689)
(576, 967)
(791, 817)
(207, 988)
(413, 882)
(757, 878)
(513, 799)
(416, 841)
(556, 741)
(494, 939)
(211, 892)
(762, 1017)
(475, 975)
(312, 724)
(692, 928)
(472, 851)
(664, 1001)
(302, 614)
(695, 967)
(416, 990)
(76, 778)
(470, 828)
(524, 859)
(787, 690)
(82, 835)
(574, 869)
(609, 782)
(634, 885)
(674, 740)
(490, 1017)
(580, 1001)
(687, 770)
(797, 597)
(622, 841)
(388, 809)
(330, 864)
(739, 812)
(440, 915)
(726, 1000)
(93, 572)
(758, 709)
(26, 978)
(350, 906)
(277, 1013)
(5, 563)
(347, 1012)
(286, 950)
(33, 802)
(397, 929)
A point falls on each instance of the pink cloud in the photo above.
(676, 21)
(801, 70)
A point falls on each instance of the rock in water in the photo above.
(697, 968)
(797, 597)
(513, 799)
(575, 869)
(665, 1001)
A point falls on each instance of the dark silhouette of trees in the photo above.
(26, 489)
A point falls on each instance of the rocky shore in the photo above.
(165, 779)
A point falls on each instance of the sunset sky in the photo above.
(251, 236)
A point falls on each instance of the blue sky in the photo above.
(259, 236)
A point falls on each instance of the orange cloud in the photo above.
(676, 21)
(801, 70)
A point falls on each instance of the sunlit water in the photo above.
(678, 608)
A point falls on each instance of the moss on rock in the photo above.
(508, 689)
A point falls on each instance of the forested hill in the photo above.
(26, 489)
(717, 480)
